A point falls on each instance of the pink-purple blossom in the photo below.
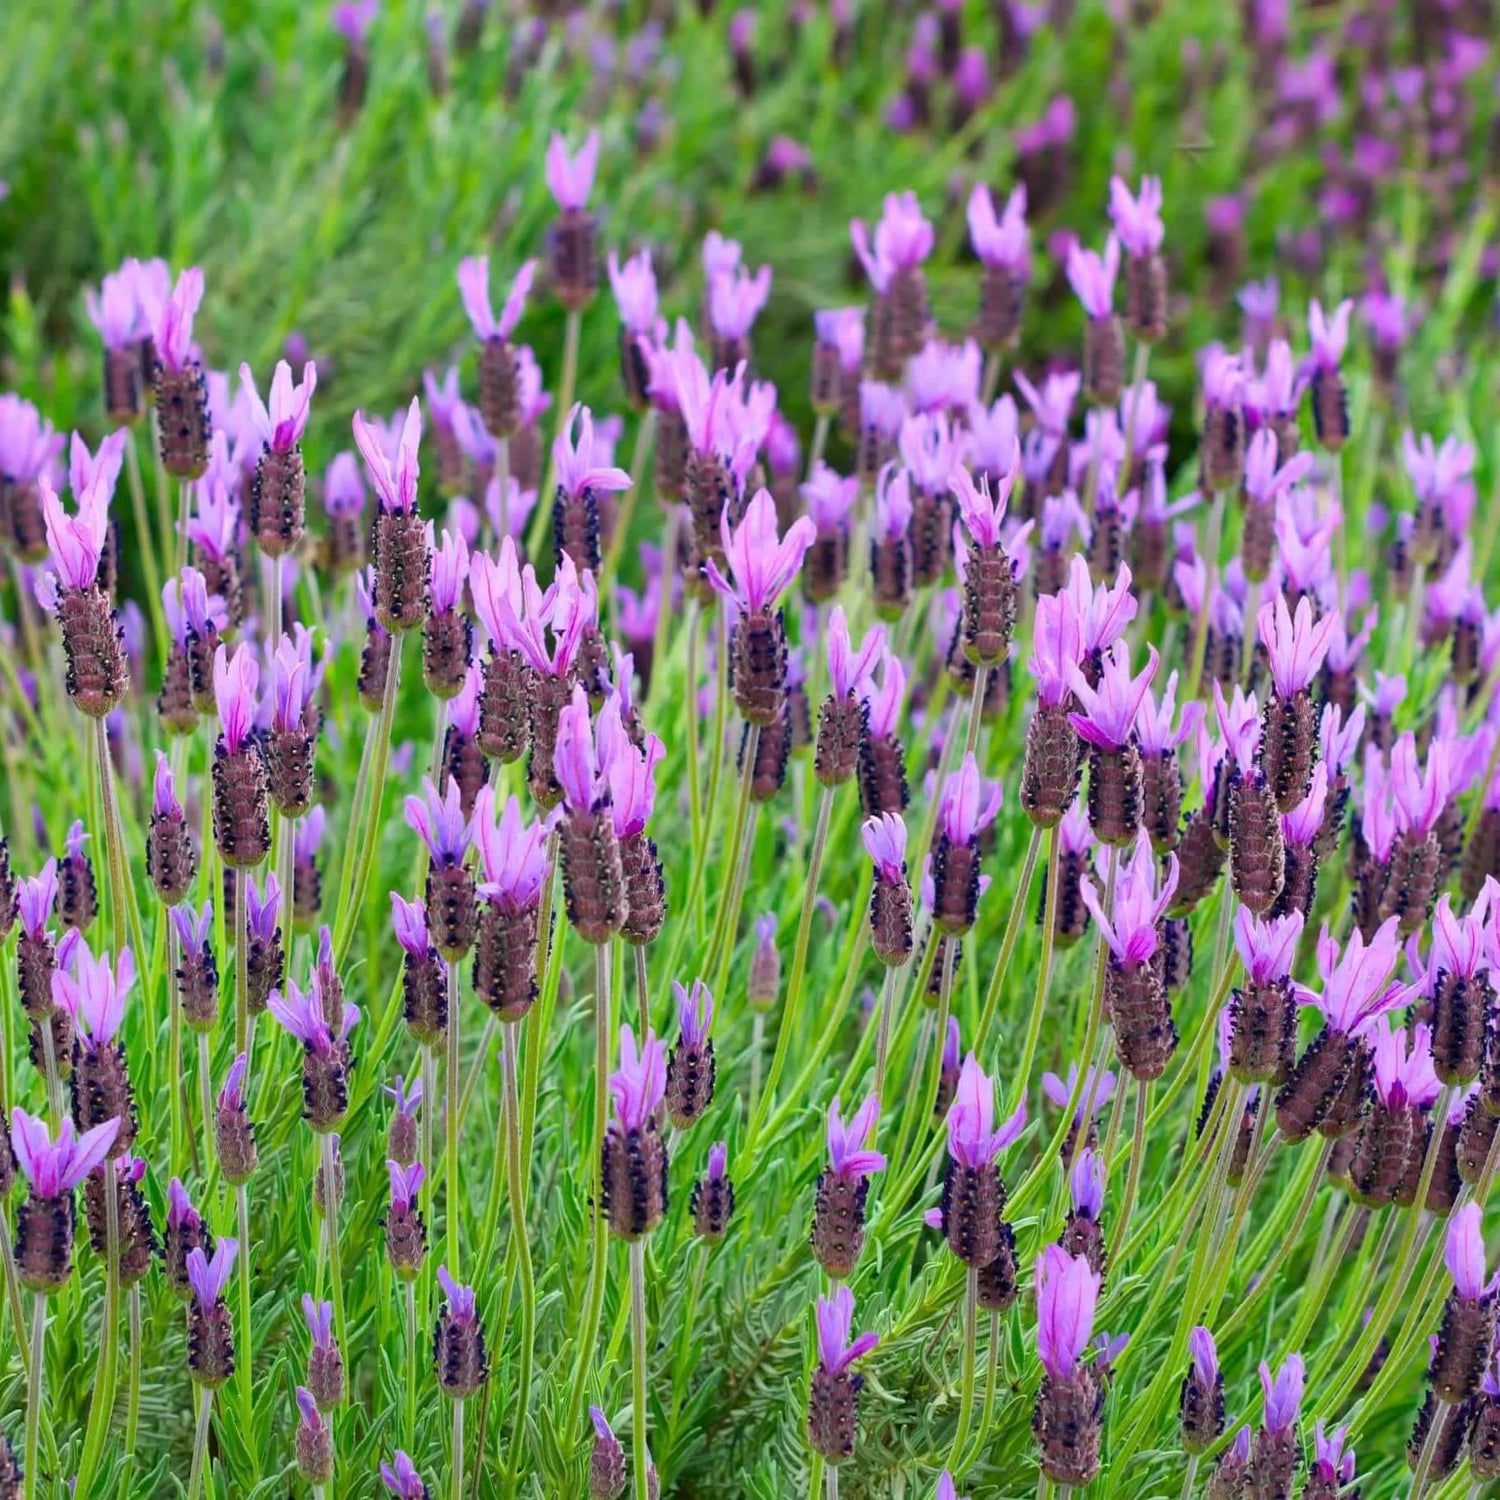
(969, 804)
(281, 422)
(973, 1138)
(236, 679)
(1004, 240)
(761, 563)
(1137, 217)
(850, 1154)
(474, 289)
(53, 1168)
(835, 1320)
(639, 1084)
(576, 469)
(570, 176)
(1067, 1292)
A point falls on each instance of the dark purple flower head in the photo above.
(1205, 1356)
(474, 289)
(1108, 717)
(262, 908)
(54, 1168)
(402, 1480)
(968, 805)
(1003, 241)
(1329, 336)
(972, 1137)
(903, 240)
(639, 1084)
(438, 820)
(460, 1298)
(761, 563)
(208, 1278)
(1283, 1393)
(570, 177)
(849, 1152)
(634, 286)
(1086, 1184)
(1131, 930)
(172, 320)
(1067, 1292)
(396, 486)
(576, 469)
(1137, 219)
(885, 840)
(695, 1013)
(1092, 277)
(835, 1319)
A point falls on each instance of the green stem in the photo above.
(36, 1374)
(644, 435)
(640, 1462)
(456, 1488)
(1190, 1476)
(1429, 1449)
(741, 845)
(516, 1179)
(13, 1292)
(883, 1029)
(200, 1440)
(1039, 1002)
(565, 390)
(690, 700)
(331, 1226)
(660, 636)
(971, 1341)
(716, 751)
(791, 1015)
(245, 1361)
(450, 1120)
(102, 1399)
(1008, 948)
(184, 510)
(413, 1373)
(133, 1399)
(642, 987)
(146, 540)
(242, 966)
(1096, 1012)
(1216, 505)
(1137, 1157)
(174, 1049)
(206, 1103)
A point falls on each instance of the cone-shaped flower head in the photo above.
(639, 1084)
(1067, 1292)
(835, 1317)
(53, 1168)
(849, 1152)
(1108, 717)
(208, 1277)
(761, 563)
(570, 176)
(1283, 1393)
(973, 1139)
(1295, 644)
(396, 486)
(474, 289)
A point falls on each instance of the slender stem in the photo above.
(413, 1374)
(34, 1389)
(1190, 1477)
(54, 1080)
(502, 478)
(567, 383)
(831, 1482)
(690, 700)
(815, 1474)
(971, 1342)
(640, 1462)
(992, 367)
(741, 845)
(1039, 1002)
(976, 708)
(102, 1398)
(882, 1029)
(940, 1031)
(757, 1055)
(184, 509)
(642, 987)
(516, 1181)
(645, 433)
(660, 636)
(133, 1399)
(792, 1012)
(1200, 625)
(174, 1047)
(1096, 1008)
(275, 609)
(1043, 1487)
(244, 1354)
(331, 1226)
(450, 1120)
(456, 1488)
(200, 1440)
(1137, 1157)
(206, 1102)
(13, 1291)
(1429, 1449)
(589, 1334)
(145, 540)
(716, 749)
(1007, 951)
(242, 964)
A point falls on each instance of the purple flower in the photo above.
(1057, 649)
(406, 1183)
(113, 310)
(53, 1168)
(262, 911)
(291, 680)
(762, 564)
(409, 919)
(1355, 988)
(968, 805)
(460, 1298)
(1435, 471)
(1067, 1292)
(1108, 719)
(1131, 932)
(95, 471)
(843, 330)
(1463, 1254)
(235, 681)
(639, 1084)
(512, 852)
(403, 1481)
(193, 928)
(903, 240)
(281, 427)
(973, 1139)
(570, 178)
(180, 1210)
(849, 1152)
(884, 701)
(1267, 946)
(1264, 482)
(718, 1161)
(1004, 241)
(1058, 1092)
(1137, 220)
(1459, 944)
(1329, 336)
(945, 1489)
(208, 1278)
(1295, 644)
(1239, 723)
(396, 487)
(1283, 1393)
(1086, 1184)
(164, 799)
(848, 668)
(735, 300)
(1223, 380)
(695, 1013)
(830, 497)
(835, 1318)
(302, 1014)
(1420, 799)
(885, 840)
(474, 289)
(406, 1100)
(567, 608)
(319, 1317)
(983, 512)
(944, 377)
(1153, 724)
(1093, 278)
(576, 470)
(634, 286)
(352, 19)
(93, 992)
(35, 898)
(631, 773)
(172, 320)
(77, 542)
(1403, 1077)
(1103, 611)
(1333, 1463)
(584, 781)
(450, 570)
(1205, 1356)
